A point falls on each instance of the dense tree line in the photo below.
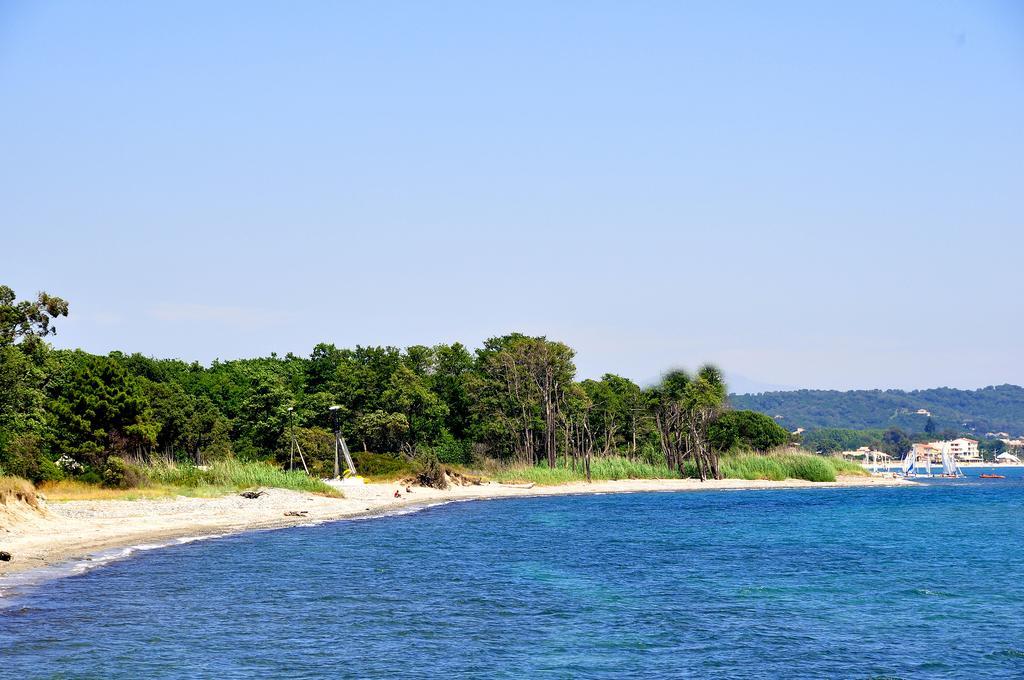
(515, 399)
(991, 409)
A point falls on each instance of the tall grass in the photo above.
(235, 475)
(604, 468)
(167, 479)
(847, 467)
(74, 490)
(786, 464)
(777, 465)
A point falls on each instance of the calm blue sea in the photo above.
(832, 583)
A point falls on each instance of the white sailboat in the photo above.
(912, 467)
(909, 463)
(950, 468)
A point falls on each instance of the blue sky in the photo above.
(809, 194)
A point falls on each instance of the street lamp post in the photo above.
(291, 431)
(337, 438)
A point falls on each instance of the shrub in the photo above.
(383, 465)
(89, 477)
(49, 471)
(649, 453)
(22, 456)
(452, 451)
(119, 474)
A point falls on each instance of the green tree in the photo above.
(896, 443)
(382, 432)
(748, 430)
(263, 416)
(685, 407)
(28, 321)
(453, 364)
(424, 411)
(517, 392)
(100, 410)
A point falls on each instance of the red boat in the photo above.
(992, 476)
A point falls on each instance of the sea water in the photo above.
(838, 583)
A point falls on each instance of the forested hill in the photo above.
(990, 409)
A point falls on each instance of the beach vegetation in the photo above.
(14, 489)
(746, 430)
(432, 473)
(120, 474)
(383, 466)
(513, 406)
(685, 407)
(235, 475)
(164, 479)
(776, 465)
(782, 464)
(604, 468)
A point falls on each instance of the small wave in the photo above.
(933, 593)
(1007, 654)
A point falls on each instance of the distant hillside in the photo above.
(990, 409)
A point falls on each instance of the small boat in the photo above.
(992, 476)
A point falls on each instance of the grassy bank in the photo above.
(776, 465)
(163, 480)
(16, 489)
(782, 465)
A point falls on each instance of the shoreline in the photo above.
(78, 530)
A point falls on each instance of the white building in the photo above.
(965, 450)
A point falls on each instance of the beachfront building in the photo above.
(1008, 458)
(965, 450)
(928, 451)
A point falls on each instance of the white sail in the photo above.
(949, 465)
(909, 461)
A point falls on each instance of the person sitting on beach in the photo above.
(408, 489)
(397, 494)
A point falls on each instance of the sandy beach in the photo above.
(62, 531)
